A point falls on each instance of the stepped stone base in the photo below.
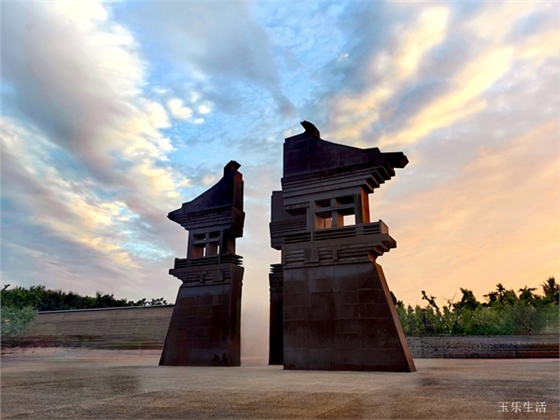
(205, 325)
(341, 317)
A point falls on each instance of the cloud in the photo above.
(178, 109)
(541, 46)
(435, 68)
(84, 140)
(388, 69)
(458, 104)
(64, 233)
(34, 247)
(58, 88)
(430, 31)
(82, 88)
(493, 223)
(494, 61)
(70, 209)
(204, 109)
(214, 40)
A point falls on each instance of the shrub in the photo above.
(14, 322)
(503, 313)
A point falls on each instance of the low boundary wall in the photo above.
(146, 327)
(504, 346)
(130, 327)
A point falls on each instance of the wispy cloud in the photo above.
(81, 136)
(214, 40)
(387, 72)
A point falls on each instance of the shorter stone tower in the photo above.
(205, 326)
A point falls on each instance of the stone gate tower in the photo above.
(337, 309)
(205, 326)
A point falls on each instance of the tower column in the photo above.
(205, 327)
(337, 308)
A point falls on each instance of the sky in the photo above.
(114, 114)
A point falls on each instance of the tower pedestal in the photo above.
(205, 325)
(341, 317)
(276, 335)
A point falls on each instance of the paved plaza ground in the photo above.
(94, 384)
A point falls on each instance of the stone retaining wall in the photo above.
(111, 328)
(506, 346)
(146, 327)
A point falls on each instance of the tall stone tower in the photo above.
(205, 326)
(337, 309)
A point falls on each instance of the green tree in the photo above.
(527, 297)
(468, 301)
(501, 297)
(160, 301)
(551, 290)
(44, 299)
(504, 312)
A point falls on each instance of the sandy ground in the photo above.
(97, 384)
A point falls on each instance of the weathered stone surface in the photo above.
(205, 326)
(276, 335)
(486, 347)
(108, 328)
(337, 308)
(354, 329)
